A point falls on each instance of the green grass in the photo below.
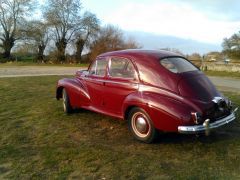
(223, 74)
(38, 141)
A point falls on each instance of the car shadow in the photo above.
(229, 132)
(222, 134)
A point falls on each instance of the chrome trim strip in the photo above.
(143, 87)
(201, 128)
(135, 84)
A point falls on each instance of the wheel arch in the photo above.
(127, 111)
(134, 101)
(59, 92)
(77, 92)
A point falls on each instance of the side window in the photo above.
(92, 70)
(121, 68)
(99, 67)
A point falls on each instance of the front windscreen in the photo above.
(177, 64)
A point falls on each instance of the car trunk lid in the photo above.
(196, 85)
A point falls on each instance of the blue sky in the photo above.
(207, 21)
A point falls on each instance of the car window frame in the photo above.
(122, 78)
(95, 62)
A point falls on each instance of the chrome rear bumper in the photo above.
(206, 126)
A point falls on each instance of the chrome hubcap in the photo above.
(140, 125)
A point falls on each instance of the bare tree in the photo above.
(83, 37)
(110, 38)
(38, 33)
(194, 57)
(12, 13)
(65, 18)
(231, 46)
(175, 50)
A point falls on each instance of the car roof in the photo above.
(137, 53)
(147, 63)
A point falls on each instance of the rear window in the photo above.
(177, 65)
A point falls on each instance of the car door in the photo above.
(121, 81)
(95, 80)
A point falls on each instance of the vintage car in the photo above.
(153, 90)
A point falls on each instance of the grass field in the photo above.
(38, 141)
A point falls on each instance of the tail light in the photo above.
(197, 117)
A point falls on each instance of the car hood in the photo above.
(197, 86)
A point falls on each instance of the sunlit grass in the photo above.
(39, 141)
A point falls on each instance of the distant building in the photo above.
(226, 60)
(214, 56)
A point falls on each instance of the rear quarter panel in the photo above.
(166, 112)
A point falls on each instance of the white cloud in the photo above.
(175, 19)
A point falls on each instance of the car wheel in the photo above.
(141, 125)
(66, 102)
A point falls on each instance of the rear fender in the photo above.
(166, 113)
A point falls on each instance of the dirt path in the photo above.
(224, 84)
(19, 71)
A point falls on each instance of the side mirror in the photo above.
(82, 73)
(85, 73)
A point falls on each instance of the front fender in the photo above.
(77, 92)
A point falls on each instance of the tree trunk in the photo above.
(7, 45)
(79, 45)
(61, 46)
(7, 53)
(40, 56)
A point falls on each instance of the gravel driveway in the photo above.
(224, 84)
(19, 71)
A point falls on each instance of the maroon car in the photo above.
(153, 90)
